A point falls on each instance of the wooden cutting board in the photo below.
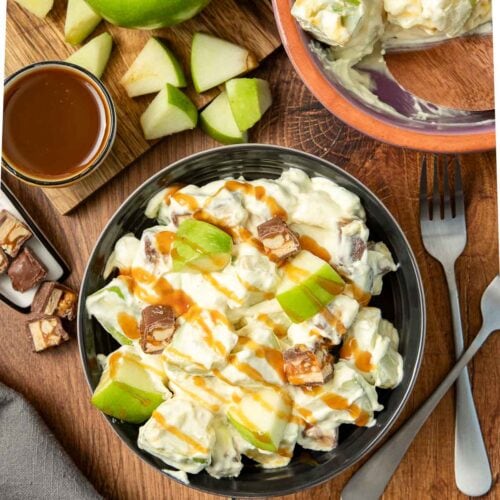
(249, 23)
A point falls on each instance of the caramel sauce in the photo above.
(334, 321)
(164, 293)
(259, 193)
(194, 316)
(129, 325)
(200, 382)
(357, 293)
(186, 200)
(164, 241)
(253, 289)
(56, 123)
(222, 289)
(307, 415)
(262, 402)
(250, 426)
(279, 330)
(274, 357)
(295, 274)
(337, 402)
(171, 190)
(179, 354)
(115, 358)
(362, 359)
(179, 434)
(309, 244)
(248, 370)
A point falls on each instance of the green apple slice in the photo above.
(261, 417)
(81, 21)
(154, 67)
(215, 61)
(249, 99)
(200, 247)
(309, 284)
(94, 55)
(171, 111)
(38, 7)
(218, 122)
(130, 389)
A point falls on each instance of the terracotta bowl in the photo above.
(470, 132)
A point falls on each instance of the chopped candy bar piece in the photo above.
(26, 271)
(321, 439)
(178, 219)
(304, 366)
(54, 298)
(13, 233)
(157, 328)
(278, 239)
(46, 331)
(4, 261)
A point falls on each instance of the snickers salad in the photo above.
(244, 322)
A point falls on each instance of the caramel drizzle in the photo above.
(279, 330)
(164, 293)
(115, 358)
(362, 359)
(274, 357)
(129, 325)
(251, 288)
(164, 241)
(309, 244)
(222, 289)
(179, 434)
(352, 290)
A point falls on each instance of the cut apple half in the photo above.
(261, 417)
(94, 55)
(154, 67)
(218, 122)
(171, 111)
(309, 284)
(249, 99)
(200, 247)
(215, 61)
(38, 7)
(81, 21)
(129, 389)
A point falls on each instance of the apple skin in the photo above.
(147, 14)
(126, 403)
(251, 437)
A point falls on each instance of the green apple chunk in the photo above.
(171, 111)
(215, 61)
(38, 7)
(154, 67)
(94, 55)
(147, 14)
(130, 389)
(200, 247)
(81, 21)
(218, 122)
(309, 284)
(261, 417)
(249, 99)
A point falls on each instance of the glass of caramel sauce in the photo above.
(59, 123)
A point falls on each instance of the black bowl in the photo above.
(402, 302)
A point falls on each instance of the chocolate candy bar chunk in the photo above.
(13, 233)
(55, 299)
(278, 239)
(4, 261)
(305, 366)
(157, 327)
(46, 331)
(26, 271)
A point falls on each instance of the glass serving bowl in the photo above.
(402, 302)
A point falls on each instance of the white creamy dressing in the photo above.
(231, 331)
(357, 33)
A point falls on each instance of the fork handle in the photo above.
(370, 480)
(472, 468)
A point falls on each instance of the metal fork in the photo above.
(444, 234)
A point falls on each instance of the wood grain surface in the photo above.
(30, 39)
(456, 74)
(54, 381)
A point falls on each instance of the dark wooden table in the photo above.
(54, 381)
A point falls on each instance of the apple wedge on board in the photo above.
(38, 7)
(81, 21)
(218, 122)
(215, 61)
(154, 67)
(171, 111)
(94, 55)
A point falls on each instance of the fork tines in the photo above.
(446, 205)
